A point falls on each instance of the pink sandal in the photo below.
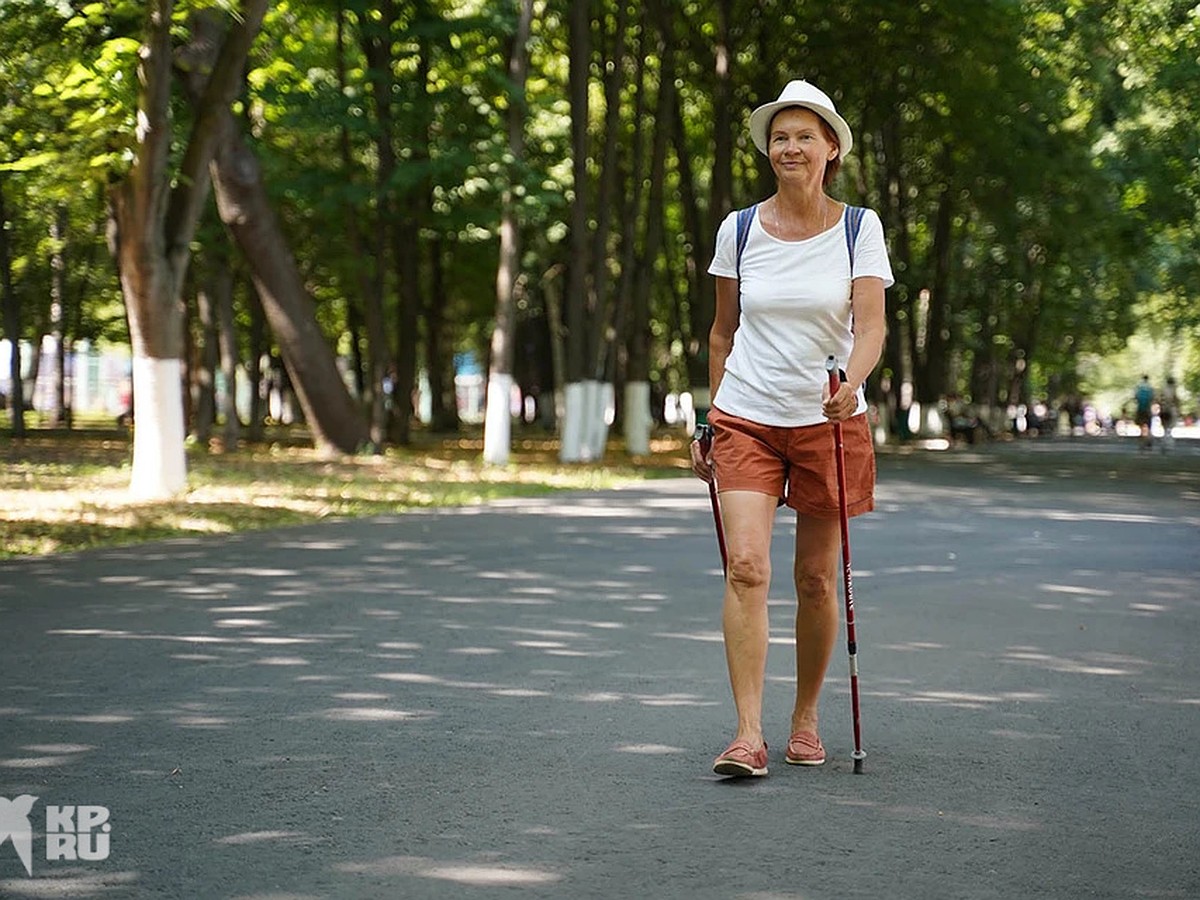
(741, 760)
(804, 749)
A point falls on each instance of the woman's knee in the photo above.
(748, 571)
(815, 585)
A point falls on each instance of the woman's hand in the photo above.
(840, 406)
(702, 461)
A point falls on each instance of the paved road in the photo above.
(523, 699)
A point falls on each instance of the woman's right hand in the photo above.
(701, 452)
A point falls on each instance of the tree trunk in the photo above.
(406, 241)
(721, 194)
(575, 425)
(59, 413)
(370, 283)
(608, 189)
(12, 323)
(148, 283)
(155, 224)
(896, 360)
(439, 354)
(204, 371)
(623, 364)
(638, 419)
(244, 207)
(255, 430)
(497, 432)
(930, 376)
(228, 351)
(701, 287)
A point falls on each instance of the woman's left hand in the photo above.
(840, 406)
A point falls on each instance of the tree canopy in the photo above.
(1036, 165)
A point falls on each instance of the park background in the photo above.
(385, 219)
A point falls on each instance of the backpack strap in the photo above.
(744, 218)
(854, 217)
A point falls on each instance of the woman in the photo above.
(788, 301)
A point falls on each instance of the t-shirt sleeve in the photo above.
(870, 252)
(724, 261)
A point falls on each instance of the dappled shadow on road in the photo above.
(526, 695)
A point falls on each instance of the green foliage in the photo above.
(1060, 134)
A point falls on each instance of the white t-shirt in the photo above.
(795, 313)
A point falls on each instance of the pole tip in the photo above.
(858, 756)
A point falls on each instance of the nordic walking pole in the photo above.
(704, 435)
(835, 378)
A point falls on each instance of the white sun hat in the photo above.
(800, 93)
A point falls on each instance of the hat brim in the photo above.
(760, 121)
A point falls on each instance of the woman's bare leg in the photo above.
(818, 543)
(749, 518)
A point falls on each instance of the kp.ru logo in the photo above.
(72, 832)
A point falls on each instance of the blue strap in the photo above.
(744, 218)
(854, 217)
(853, 220)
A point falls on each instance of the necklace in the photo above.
(824, 216)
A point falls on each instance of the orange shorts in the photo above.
(798, 464)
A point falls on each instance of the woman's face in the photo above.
(798, 146)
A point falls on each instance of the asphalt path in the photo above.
(523, 699)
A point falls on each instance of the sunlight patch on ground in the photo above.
(68, 885)
(202, 722)
(1107, 664)
(372, 714)
(649, 749)
(969, 700)
(909, 646)
(673, 700)
(1074, 589)
(258, 837)
(243, 623)
(34, 762)
(496, 601)
(255, 608)
(477, 874)
(1059, 515)
(247, 570)
(708, 637)
(89, 719)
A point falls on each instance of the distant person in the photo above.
(963, 421)
(1168, 412)
(802, 289)
(1143, 402)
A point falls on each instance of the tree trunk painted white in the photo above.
(574, 413)
(597, 416)
(159, 460)
(497, 425)
(638, 421)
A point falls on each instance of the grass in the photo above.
(64, 491)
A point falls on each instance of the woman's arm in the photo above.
(720, 336)
(720, 342)
(870, 330)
